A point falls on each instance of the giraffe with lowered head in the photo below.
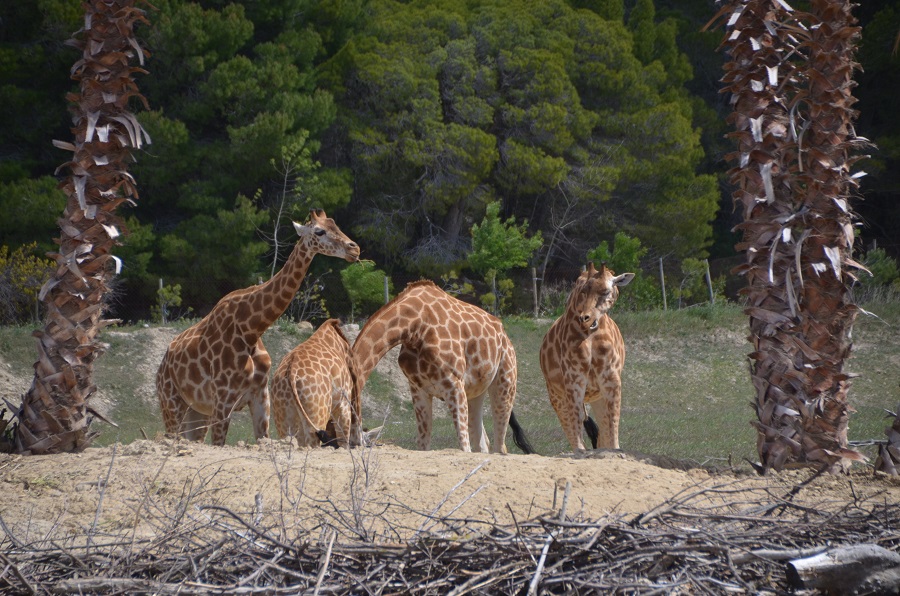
(220, 365)
(313, 385)
(582, 357)
(450, 350)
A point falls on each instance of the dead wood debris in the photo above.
(712, 540)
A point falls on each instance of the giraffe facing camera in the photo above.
(582, 357)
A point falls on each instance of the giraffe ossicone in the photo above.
(450, 350)
(582, 356)
(219, 365)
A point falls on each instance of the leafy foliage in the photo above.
(884, 268)
(643, 292)
(449, 106)
(364, 285)
(167, 299)
(500, 245)
(693, 288)
(583, 117)
(30, 208)
(21, 276)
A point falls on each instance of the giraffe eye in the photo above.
(320, 232)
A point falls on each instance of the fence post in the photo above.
(712, 296)
(534, 291)
(662, 282)
(162, 303)
(387, 292)
(496, 297)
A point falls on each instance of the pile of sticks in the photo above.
(710, 540)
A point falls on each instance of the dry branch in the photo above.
(857, 569)
(717, 539)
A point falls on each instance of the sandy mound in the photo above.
(383, 492)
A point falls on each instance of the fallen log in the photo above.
(857, 569)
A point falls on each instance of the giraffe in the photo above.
(451, 350)
(313, 385)
(582, 357)
(219, 365)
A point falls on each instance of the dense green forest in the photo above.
(406, 121)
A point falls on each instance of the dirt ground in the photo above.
(149, 487)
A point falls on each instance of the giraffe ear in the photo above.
(623, 280)
(300, 229)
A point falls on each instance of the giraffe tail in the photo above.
(323, 436)
(519, 435)
(593, 431)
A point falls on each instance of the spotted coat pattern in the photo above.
(450, 350)
(313, 385)
(582, 357)
(219, 365)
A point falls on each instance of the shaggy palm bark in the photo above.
(790, 82)
(55, 414)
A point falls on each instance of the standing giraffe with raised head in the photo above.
(582, 357)
(219, 365)
(312, 385)
(451, 350)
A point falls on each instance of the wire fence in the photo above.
(524, 292)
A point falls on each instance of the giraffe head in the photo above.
(321, 235)
(594, 294)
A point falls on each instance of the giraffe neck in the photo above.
(269, 300)
(387, 328)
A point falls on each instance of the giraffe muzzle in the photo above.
(352, 252)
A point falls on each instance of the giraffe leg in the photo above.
(220, 419)
(341, 415)
(569, 406)
(259, 392)
(171, 405)
(174, 410)
(282, 406)
(455, 396)
(422, 404)
(194, 425)
(608, 411)
(503, 396)
(477, 435)
(259, 412)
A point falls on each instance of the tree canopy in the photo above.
(405, 120)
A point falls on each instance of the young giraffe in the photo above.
(313, 385)
(450, 350)
(220, 365)
(582, 357)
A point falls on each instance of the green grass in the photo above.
(686, 386)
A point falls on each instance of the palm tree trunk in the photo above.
(790, 81)
(55, 414)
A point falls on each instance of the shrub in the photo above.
(21, 276)
(364, 284)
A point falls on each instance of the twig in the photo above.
(450, 492)
(532, 587)
(102, 486)
(12, 566)
(324, 567)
